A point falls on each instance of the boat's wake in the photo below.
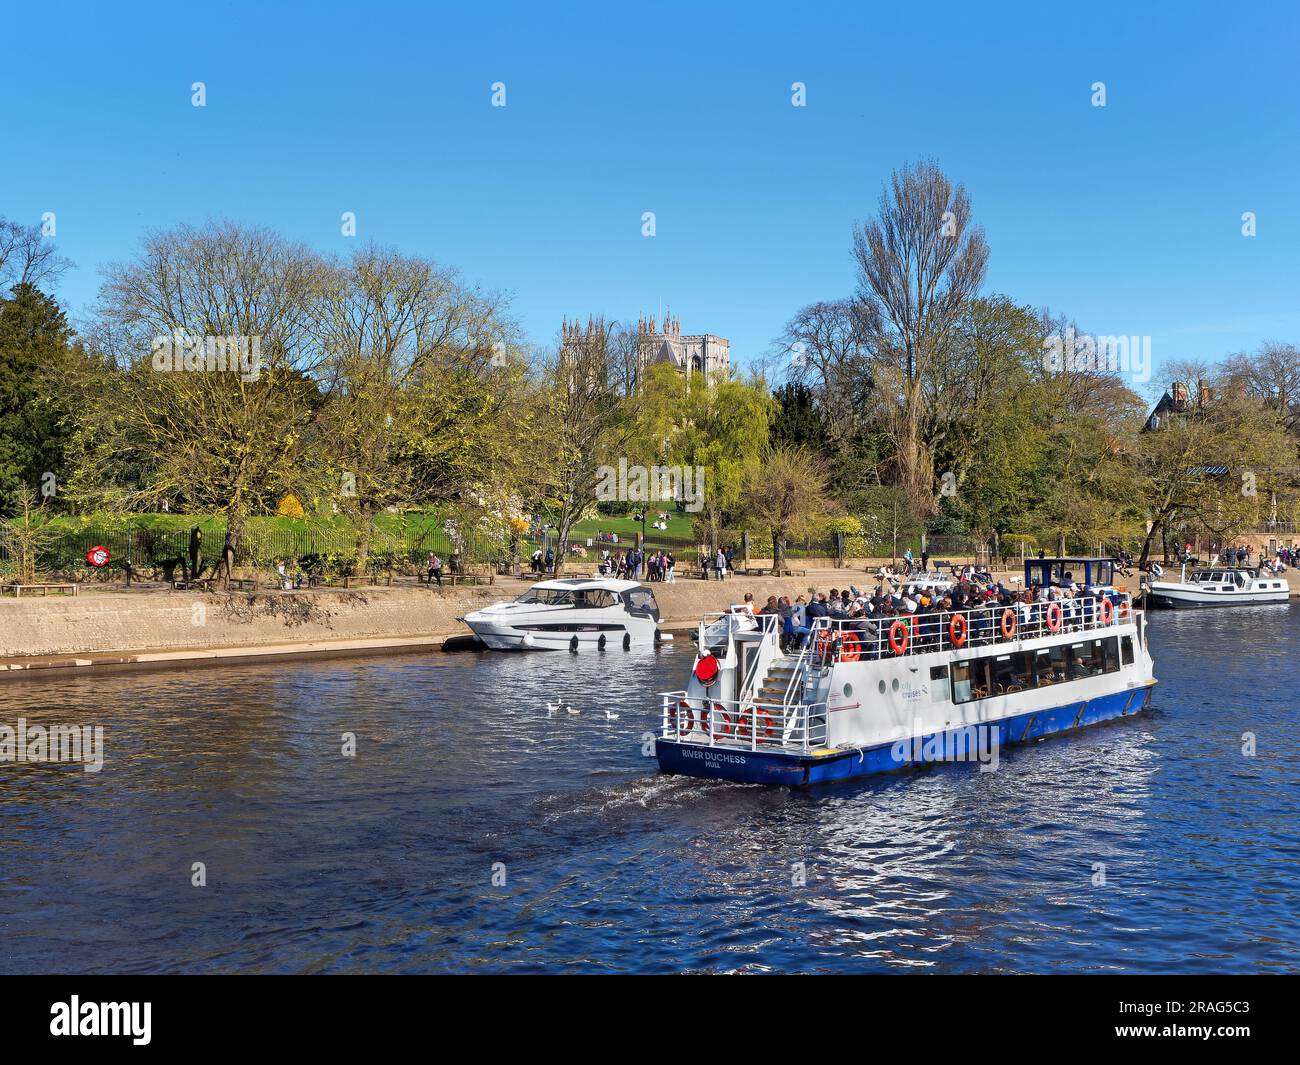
(656, 792)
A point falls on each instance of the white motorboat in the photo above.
(568, 614)
(1220, 586)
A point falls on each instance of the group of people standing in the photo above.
(636, 565)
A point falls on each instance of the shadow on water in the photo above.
(1151, 844)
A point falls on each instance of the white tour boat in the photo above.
(1219, 586)
(569, 614)
(857, 699)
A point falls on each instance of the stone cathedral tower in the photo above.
(703, 354)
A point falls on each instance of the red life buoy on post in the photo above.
(684, 708)
(1008, 623)
(1107, 611)
(1054, 617)
(707, 669)
(769, 729)
(850, 649)
(899, 634)
(957, 630)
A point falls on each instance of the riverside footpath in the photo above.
(157, 628)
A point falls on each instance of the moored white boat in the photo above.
(1219, 586)
(857, 701)
(570, 613)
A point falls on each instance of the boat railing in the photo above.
(718, 626)
(745, 725)
(853, 639)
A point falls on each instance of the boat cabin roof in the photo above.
(571, 583)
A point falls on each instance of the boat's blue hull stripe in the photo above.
(770, 767)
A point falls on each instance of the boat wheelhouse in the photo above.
(859, 699)
(1088, 572)
(569, 614)
(1219, 586)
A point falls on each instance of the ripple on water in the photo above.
(1146, 845)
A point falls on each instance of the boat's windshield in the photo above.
(582, 597)
(548, 596)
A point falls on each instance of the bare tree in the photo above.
(919, 261)
(624, 358)
(1273, 374)
(27, 256)
(580, 424)
(827, 345)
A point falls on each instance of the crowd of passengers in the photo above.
(928, 612)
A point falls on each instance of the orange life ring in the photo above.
(745, 726)
(742, 726)
(729, 726)
(899, 634)
(957, 630)
(1008, 623)
(823, 643)
(1107, 611)
(1054, 615)
(685, 706)
(851, 648)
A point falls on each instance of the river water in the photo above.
(317, 862)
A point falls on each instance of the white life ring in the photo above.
(1156, 570)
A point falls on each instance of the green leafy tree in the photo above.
(41, 375)
(786, 495)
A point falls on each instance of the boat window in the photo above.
(1043, 667)
(1003, 674)
(1110, 651)
(961, 685)
(548, 596)
(594, 597)
(641, 599)
(1023, 663)
(1126, 645)
(939, 687)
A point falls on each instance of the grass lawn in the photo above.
(680, 526)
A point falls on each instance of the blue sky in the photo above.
(1128, 217)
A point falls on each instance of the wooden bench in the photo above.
(44, 589)
(469, 578)
(238, 584)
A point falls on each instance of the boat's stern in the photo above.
(731, 762)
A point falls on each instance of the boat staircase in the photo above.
(781, 681)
